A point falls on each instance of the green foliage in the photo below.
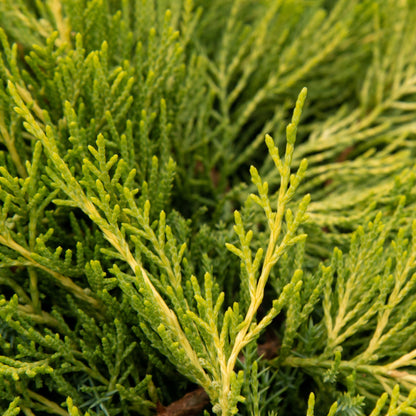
(142, 253)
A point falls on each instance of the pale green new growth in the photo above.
(145, 262)
(210, 355)
(13, 408)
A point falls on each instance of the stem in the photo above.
(41, 317)
(117, 240)
(65, 281)
(241, 339)
(383, 318)
(389, 370)
(34, 292)
(51, 407)
(9, 143)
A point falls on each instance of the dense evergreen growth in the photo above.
(146, 265)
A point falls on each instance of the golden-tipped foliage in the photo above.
(142, 253)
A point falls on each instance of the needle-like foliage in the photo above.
(178, 229)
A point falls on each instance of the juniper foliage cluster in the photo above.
(141, 252)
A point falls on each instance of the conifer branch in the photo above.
(127, 275)
(64, 281)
